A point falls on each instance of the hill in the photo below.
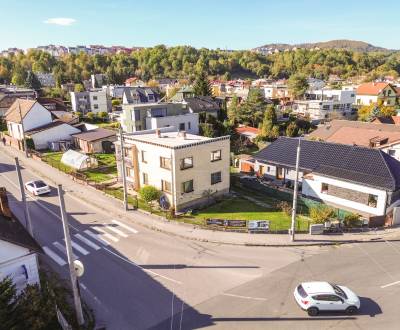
(353, 45)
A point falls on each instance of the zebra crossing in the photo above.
(89, 240)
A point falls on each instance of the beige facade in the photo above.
(188, 169)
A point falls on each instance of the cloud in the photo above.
(63, 21)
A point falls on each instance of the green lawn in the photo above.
(238, 208)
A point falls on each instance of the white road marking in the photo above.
(132, 230)
(79, 248)
(60, 261)
(87, 242)
(117, 231)
(144, 269)
(107, 235)
(390, 284)
(62, 248)
(96, 237)
(83, 286)
(243, 297)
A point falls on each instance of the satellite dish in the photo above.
(79, 268)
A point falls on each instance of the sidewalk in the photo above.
(108, 204)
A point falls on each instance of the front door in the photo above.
(280, 173)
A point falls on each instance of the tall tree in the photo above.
(32, 81)
(8, 304)
(298, 85)
(253, 108)
(202, 86)
(234, 110)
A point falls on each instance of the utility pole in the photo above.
(72, 272)
(296, 184)
(28, 221)
(121, 137)
(23, 132)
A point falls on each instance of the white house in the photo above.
(374, 92)
(361, 180)
(95, 100)
(18, 250)
(188, 169)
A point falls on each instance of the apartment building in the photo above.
(325, 104)
(188, 169)
(139, 117)
(95, 100)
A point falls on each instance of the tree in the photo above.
(149, 194)
(207, 130)
(78, 88)
(387, 111)
(292, 129)
(298, 85)
(32, 81)
(90, 115)
(202, 86)
(234, 110)
(102, 115)
(321, 213)
(116, 102)
(8, 304)
(365, 112)
(269, 127)
(253, 108)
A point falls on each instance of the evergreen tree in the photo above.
(253, 108)
(32, 81)
(8, 311)
(202, 86)
(234, 110)
(298, 85)
(292, 129)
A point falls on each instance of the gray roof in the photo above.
(140, 94)
(369, 167)
(203, 103)
(95, 134)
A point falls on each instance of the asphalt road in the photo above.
(136, 278)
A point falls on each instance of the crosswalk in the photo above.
(89, 240)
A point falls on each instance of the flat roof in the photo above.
(172, 139)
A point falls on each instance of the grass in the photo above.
(238, 208)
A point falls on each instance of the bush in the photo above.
(30, 144)
(320, 214)
(116, 102)
(352, 220)
(149, 194)
(285, 207)
(102, 115)
(90, 115)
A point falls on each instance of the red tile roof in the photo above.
(372, 88)
(247, 129)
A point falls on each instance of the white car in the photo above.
(37, 187)
(314, 297)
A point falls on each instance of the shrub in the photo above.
(149, 194)
(352, 220)
(285, 207)
(90, 115)
(320, 214)
(116, 102)
(102, 115)
(30, 144)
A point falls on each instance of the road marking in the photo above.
(390, 284)
(83, 286)
(62, 248)
(132, 230)
(87, 242)
(145, 270)
(117, 231)
(96, 237)
(243, 297)
(107, 235)
(60, 261)
(79, 248)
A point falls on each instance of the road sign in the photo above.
(258, 225)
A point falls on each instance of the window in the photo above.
(182, 126)
(145, 177)
(216, 177)
(268, 169)
(127, 152)
(216, 155)
(187, 186)
(129, 172)
(95, 106)
(189, 125)
(136, 115)
(165, 163)
(324, 188)
(144, 157)
(372, 200)
(392, 152)
(94, 98)
(186, 163)
(165, 186)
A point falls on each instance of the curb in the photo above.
(198, 239)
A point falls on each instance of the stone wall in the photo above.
(348, 194)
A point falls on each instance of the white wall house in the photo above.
(374, 92)
(357, 179)
(186, 168)
(188, 122)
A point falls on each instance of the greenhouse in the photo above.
(78, 160)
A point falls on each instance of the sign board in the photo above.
(236, 223)
(215, 222)
(317, 229)
(258, 225)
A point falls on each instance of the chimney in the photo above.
(158, 133)
(4, 208)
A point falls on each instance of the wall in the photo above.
(101, 102)
(159, 122)
(36, 117)
(61, 132)
(312, 187)
(395, 148)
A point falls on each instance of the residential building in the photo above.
(94, 100)
(95, 141)
(188, 169)
(18, 250)
(203, 104)
(385, 137)
(357, 179)
(139, 117)
(183, 93)
(326, 104)
(134, 82)
(375, 92)
(97, 80)
(247, 134)
(9, 93)
(137, 95)
(46, 79)
(276, 91)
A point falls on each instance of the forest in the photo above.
(184, 62)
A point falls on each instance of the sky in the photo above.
(230, 24)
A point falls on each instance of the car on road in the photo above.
(37, 187)
(314, 297)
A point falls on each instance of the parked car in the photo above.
(314, 297)
(37, 187)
